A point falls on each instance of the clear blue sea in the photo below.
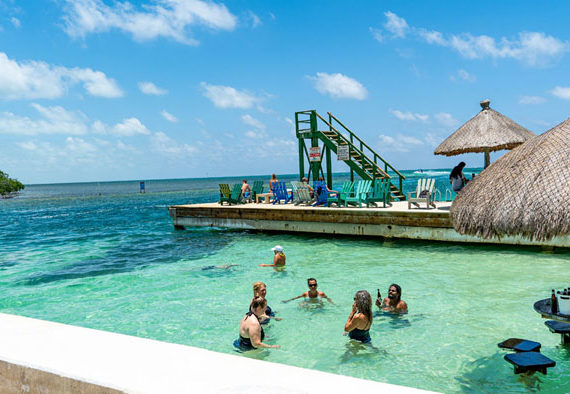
(102, 255)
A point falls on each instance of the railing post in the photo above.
(316, 165)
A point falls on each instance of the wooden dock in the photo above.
(392, 222)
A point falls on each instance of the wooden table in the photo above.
(543, 307)
(266, 197)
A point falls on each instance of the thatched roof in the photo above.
(487, 131)
(526, 192)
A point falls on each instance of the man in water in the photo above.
(394, 302)
(313, 294)
(245, 190)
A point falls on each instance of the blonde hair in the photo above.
(257, 287)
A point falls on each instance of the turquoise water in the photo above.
(103, 256)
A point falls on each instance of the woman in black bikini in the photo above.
(251, 333)
(360, 318)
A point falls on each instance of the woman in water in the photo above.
(456, 178)
(278, 257)
(360, 318)
(260, 290)
(251, 333)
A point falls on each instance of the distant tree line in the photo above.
(8, 185)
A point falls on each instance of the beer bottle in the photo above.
(554, 303)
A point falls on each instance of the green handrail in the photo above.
(360, 152)
(366, 145)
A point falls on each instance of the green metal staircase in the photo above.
(363, 160)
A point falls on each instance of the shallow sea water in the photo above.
(105, 257)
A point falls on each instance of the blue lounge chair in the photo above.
(280, 193)
(380, 193)
(321, 193)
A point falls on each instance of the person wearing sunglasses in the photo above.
(313, 295)
(360, 319)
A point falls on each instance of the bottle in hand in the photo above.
(554, 303)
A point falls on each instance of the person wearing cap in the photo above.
(278, 258)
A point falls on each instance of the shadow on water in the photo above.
(396, 320)
(141, 253)
(493, 374)
(358, 352)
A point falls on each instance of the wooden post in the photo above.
(487, 158)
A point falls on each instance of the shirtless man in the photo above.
(245, 190)
(394, 302)
(313, 294)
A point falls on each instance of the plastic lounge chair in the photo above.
(224, 193)
(256, 189)
(321, 192)
(424, 193)
(301, 193)
(380, 193)
(339, 198)
(280, 193)
(360, 194)
(529, 362)
(235, 196)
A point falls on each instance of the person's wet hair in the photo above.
(364, 303)
(257, 302)
(310, 279)
(398, 289)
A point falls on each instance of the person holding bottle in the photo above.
(394, 302)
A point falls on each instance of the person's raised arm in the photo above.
(294, 298)
(352, 320)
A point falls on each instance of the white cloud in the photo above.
(255, 21)
(446, 119)
(531, 100)
(400, 143)
(53, 120)
(339, 86)
(162, 143)
(228, 97)
(377, 34)
(409, 116)
(396, 25)
(168, 116)
(15, 22)
(463, 75)
(151, 89)
(127, 128)
(531, 48)
(253, 122)
(561, 92)
(35, 80)
(433, 140)
(162, 18)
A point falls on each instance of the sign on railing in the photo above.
(342, 152)
(315, 154)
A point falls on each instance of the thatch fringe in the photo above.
(526, 192)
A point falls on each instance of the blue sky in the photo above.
(94, 90)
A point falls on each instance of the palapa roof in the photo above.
(526, 192)
(489, 130)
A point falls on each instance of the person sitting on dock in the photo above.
(246, 191)
(306, 183)
(313, 295)
(251, 333)
(272, 181)
(394, 302)
(278, 258)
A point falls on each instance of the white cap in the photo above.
(277, 248)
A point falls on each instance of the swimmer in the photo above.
(278, 258)
(220, 267)
(260, 290)
(394, 302)
(313, 294)
(360, 319)
(251, 333)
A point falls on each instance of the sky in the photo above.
(98, 90)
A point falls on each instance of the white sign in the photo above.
(342, 152)
(315, 154)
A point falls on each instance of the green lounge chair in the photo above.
(256, 189)
(235, 196)
(380, 193)
(360, 194)
(339, 197)
(224, 193)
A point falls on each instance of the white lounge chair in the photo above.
(424, 193)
